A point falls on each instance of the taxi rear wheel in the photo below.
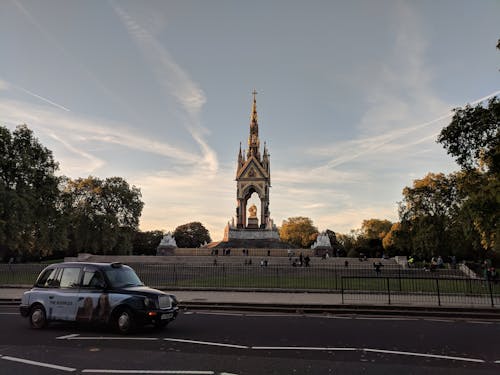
(124, 321)
(38, 317)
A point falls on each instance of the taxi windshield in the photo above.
(123, 277)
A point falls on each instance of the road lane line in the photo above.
(497, 362)
(113, 338)
(4, 313)
(40, 364)
(439, 320)
(219, 313)
(185, 372)
(67, 336)
(207, 343)
(303, 348)
(384, 318)
(423, 355)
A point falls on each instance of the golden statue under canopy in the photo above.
(253, 210)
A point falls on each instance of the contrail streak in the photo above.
(42, 98)
(341, 160)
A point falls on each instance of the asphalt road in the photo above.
(233, 343)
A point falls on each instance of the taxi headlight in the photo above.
(148, 302)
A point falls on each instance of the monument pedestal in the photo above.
(257, 238)
(253, 223)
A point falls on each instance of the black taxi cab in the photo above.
(109, 293)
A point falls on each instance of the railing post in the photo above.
(438, 293)
(224, 281)
(335, 277)
(388, 290)
(342, 288)
(175, 275)
(491, 293)
(399, 275)
(277, 276)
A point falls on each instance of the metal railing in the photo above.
(392, 285)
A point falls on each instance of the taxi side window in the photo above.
(70, 277)
(48, 279)
(92, 279)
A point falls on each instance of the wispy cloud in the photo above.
(386, 142)
(399, 97)
(4, 85)
(175, 81)
(72, 130)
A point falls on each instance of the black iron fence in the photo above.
(392, 285)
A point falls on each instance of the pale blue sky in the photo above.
(351, 96)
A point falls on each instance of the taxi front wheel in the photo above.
(124, 321)
(38, 317)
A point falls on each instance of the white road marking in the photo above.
(219, 313)
(439, 320)
(207, 343)
(424, 355)
(479, 322)
(302, 348)
(267, 315)
(67, 336)
(186, 372)
(4, 313)
(40, 364)
(384, 318)
(112, 338)
(497, 362)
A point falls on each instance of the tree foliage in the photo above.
(299, 231)
(30, 222)
(428, 213)
(145, 243)
(191, 235)
(472, 137)
(103, 214)
(375, 228)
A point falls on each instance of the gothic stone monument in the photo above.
(253, 175)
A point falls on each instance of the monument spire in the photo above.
(253, 138)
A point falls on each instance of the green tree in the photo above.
(397, 241)
(299, 231)
(30, 221)
(145, 243)
(427, 211)
(103, 214)
(473, 139)
(191, 235)
(375, 228)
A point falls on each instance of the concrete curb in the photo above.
(423, 311)
(389, 310)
